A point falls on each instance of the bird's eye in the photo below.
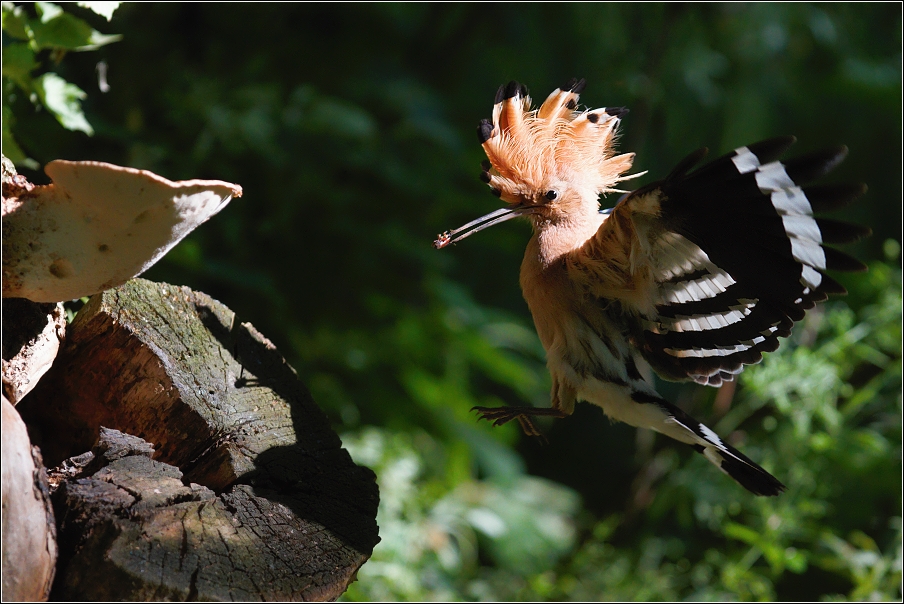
(550, 195)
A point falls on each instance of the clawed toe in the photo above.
(503, 415)
(497, 415)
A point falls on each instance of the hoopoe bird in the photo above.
(694, 276)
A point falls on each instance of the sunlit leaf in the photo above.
(104, 9)
(60, 30)
(63, 100)
(48, 11)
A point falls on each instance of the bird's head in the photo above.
(550, 164)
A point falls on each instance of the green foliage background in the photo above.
(351, 129)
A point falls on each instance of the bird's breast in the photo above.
(577, 330)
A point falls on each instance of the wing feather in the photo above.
(711, 267)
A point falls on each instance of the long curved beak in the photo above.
(500, 215)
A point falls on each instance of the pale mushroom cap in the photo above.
(97, 226)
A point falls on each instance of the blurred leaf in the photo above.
(532, 524)
(63, 100)
(431, 532)
(47, 11)
(11, 148)
(60, 30)
(104, 9)
(18, 63)
(15, 22)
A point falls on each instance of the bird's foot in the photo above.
(503, 415)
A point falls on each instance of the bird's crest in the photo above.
(529, 149)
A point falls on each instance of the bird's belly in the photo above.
(618, 405)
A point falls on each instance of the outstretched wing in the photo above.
(722, 261)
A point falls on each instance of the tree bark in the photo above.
(29, 531)
(32, 333)
(249, 494)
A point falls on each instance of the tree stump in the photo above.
(247, 494)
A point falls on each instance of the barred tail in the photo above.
(682, 427)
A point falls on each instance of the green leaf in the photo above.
(18, 63)
(11, 148)
(48, 11)
(58, 30)
(104, 9)
(15, 22)
(742, 533)
(63, 100)
(795, 560)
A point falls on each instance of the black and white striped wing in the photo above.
(738, 256)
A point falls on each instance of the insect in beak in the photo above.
(500, 215)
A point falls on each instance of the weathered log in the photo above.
(162, 363)
(31, 339)
(141, 531)
(29, 531)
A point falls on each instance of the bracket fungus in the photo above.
(96, 226)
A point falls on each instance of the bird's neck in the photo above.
(552, 240)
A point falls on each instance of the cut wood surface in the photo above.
(242, 444)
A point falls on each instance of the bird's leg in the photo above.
(503, 415)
